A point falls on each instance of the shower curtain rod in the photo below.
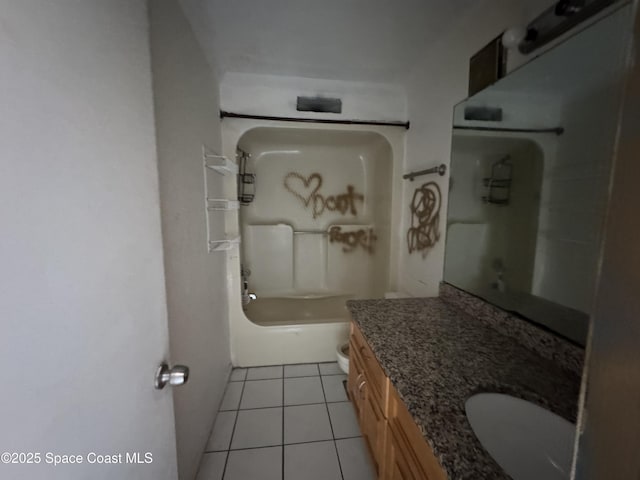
(224, 114)
(556, 130)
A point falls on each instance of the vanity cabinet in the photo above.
(408, 452)
(397, 447)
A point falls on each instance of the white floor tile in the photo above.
(252, 417)
(255, 464)
(264, 373)
(261, 393)
(330, 369)
(238, 374)
(307, 423)
(343, 420)
(212, 466)
(334, 388)
(304, 390)
(222, 430)
(304, 370)
(311, 461)
(354, 459)
(258, 428)
(231, 398)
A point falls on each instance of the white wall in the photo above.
(82, 297)
(186, 107)
(439, 80)
(276, 96)
(363, 40)
(438, 83)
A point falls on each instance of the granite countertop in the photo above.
(437, 356)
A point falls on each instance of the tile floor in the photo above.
(291, 422)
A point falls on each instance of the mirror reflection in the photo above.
(530, 171)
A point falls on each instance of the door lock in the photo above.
(175, 376)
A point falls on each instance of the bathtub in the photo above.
(298, 310)
(298, 249)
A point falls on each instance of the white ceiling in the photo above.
(358, 40)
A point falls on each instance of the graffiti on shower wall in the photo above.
(424, 231)
(363, 238)
(307, 190)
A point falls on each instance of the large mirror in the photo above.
(530, 170)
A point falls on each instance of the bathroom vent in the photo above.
(483, 114)
(319, 104)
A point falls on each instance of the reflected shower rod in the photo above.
(440, 170)
(556, 130)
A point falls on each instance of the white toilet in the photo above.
(343, 357)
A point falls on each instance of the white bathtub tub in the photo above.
(286, 241)
(299, 310)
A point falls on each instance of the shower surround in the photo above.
(318, 232)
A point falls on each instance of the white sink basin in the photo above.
(527, 441)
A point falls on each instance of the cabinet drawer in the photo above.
(377, 381)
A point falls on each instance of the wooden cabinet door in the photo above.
(396, 466)
(413, 452)
(397, 447)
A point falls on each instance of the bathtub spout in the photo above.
(248, 298)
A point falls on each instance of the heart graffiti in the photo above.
(303, 188)
(307, 190)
